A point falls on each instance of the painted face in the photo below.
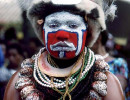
(64, 34)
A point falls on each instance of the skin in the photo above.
(113, 88)
(11, 93)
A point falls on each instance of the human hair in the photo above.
(10, 33)
(17, 47)
(104, 37)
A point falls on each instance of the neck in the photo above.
(101, 50)
(64, 63)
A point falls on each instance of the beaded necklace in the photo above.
(64, 87)
(31, 78)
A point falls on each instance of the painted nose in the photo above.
(62, 35)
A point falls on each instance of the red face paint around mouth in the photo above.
(62, 36)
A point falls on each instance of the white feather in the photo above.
(111, 12)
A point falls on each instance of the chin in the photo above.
(64, 58)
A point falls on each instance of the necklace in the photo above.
(44, 80)
(105, 56)
(66, 85)
(46, 68)
(52, 62)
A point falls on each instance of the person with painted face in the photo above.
(63, 35)
(66, 69)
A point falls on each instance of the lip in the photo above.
(63, 46)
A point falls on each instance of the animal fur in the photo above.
(97, 12)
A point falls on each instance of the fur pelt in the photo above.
(97, 12)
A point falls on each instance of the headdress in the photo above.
(97, 12)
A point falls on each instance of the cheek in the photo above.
(84, 40)
(73, 38)
(51, 38)
(43, 33)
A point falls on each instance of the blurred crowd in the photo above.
(12, 52)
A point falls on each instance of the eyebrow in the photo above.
(52, 21)
(59, 20)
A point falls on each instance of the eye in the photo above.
(53, 25)
(73, 26)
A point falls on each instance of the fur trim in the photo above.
(88, 6)
(37, 1)
(92, 8)
(68, 2)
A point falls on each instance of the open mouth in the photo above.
(63, 46)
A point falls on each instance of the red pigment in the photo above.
(45, 67)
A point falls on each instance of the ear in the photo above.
(40, 21)
(86, 18)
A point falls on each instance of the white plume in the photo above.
(109, 9)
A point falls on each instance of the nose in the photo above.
(62, 35)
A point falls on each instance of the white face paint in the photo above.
(63, 46)
(67, 22)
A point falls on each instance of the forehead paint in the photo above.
(63, 17)
(63, 22)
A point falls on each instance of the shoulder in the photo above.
(11, 93)
(114, 90)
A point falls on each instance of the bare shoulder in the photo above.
(11, 93)
(114, 90)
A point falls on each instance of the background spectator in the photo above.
(15, 56)
(118, 66)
